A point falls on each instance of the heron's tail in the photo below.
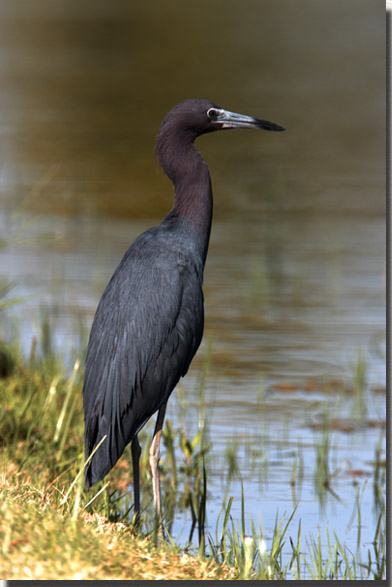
(96, 448)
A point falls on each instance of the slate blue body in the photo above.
(142, 339)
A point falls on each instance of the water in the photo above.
(295, 277)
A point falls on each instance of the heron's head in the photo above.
(196, 117)
(190, 119)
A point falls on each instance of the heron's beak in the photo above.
(228, 119)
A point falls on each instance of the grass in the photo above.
(40, 539)
(52, 528)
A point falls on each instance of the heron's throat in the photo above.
(189, 173)
(193, 192)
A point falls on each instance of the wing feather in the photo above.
(146, 330)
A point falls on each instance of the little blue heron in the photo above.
(149, 322)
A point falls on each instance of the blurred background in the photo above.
(295, 277)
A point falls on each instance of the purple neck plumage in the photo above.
(188, 171)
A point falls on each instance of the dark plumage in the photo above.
(149, 322)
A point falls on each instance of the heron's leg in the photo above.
(154, 459)
(136, 450)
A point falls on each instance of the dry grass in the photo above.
(39, 540)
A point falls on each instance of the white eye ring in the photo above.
(212, 113)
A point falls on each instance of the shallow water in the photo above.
(295, 276)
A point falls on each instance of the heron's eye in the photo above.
(212, 113)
